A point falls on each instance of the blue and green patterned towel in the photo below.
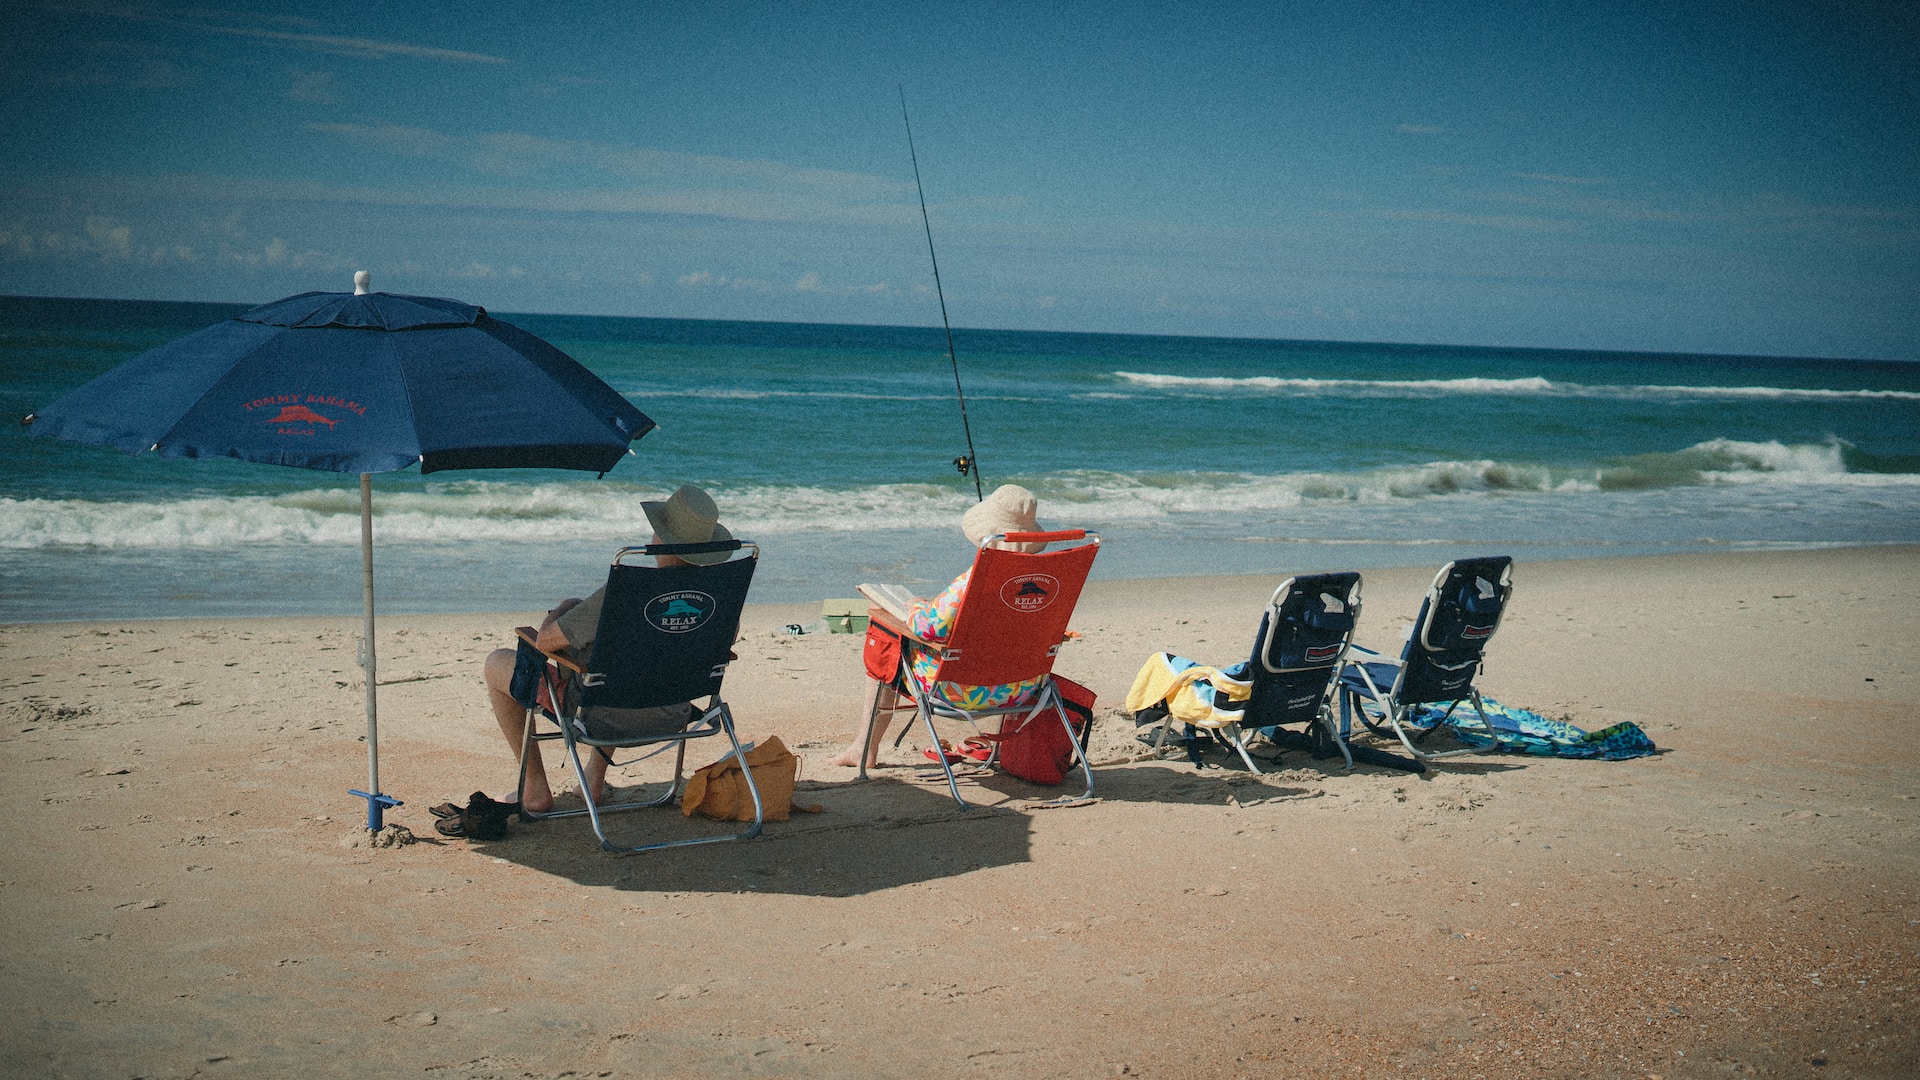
(1519, 731)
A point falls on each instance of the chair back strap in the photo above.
(666, 633)
(1015, 613)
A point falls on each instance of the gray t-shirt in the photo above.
(580, 623)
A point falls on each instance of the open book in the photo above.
(896, 600)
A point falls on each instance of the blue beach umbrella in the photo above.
(357, 382)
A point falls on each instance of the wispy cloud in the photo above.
(247, 25)
(1502, 222)
(312, 86)
(810, 283)
(1559, 178)
(345, 46)
(601, 177)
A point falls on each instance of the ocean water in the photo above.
(831, 447)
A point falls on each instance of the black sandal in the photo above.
(481, 819)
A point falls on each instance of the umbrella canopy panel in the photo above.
(367, 383)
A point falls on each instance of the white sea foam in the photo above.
(1526, 387)
(471, 511)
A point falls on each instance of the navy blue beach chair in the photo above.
(1446, 647)
(1292, 676)
(665, 637)
(1298, 656)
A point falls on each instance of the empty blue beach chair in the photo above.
(665, 637)
(1297, 660)
(1290, 679)
(1445, 649)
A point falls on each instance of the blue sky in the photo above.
(1736, 178)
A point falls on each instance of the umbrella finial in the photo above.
(361, 279)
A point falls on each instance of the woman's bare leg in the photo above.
(883, 698)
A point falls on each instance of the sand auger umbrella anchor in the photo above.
(358, 382)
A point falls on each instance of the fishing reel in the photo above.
(964, 464)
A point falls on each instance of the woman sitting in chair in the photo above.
(1009, 509)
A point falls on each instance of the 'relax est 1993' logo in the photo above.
(680, 612)
(1029, 592)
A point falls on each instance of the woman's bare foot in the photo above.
(850, 758)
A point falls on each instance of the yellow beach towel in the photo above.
(1187, 690)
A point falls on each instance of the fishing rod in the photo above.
(971, 462)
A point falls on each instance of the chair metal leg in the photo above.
(953, 785)
(1239, 741)
(738, 754)
(1335, 731)
(866, 733)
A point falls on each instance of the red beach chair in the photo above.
(1009, 628)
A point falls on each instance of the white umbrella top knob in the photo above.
(361, 279)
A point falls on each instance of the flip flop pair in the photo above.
(973, 749)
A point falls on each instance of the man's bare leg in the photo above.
(535, 794)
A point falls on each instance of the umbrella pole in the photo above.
(377, 803)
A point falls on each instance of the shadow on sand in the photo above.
(849, 849)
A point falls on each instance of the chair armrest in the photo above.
(532, 637)
(1354, 646)
(888, 621)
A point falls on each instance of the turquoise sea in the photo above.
(831, 446)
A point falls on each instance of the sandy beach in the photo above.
(180, 901)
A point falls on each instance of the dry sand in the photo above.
(178, 902)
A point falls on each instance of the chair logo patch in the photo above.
(1029, 592)
(1476, 633)
(1320, 654)
(680, 612)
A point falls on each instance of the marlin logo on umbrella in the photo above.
(300, 414)
(297, 411)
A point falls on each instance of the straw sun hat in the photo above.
(1010, 508)
(689, 517)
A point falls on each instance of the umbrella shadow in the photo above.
(874, 835)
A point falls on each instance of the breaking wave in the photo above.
(609, 512)
(1527, 387)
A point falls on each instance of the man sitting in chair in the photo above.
(687, 517)
(1009, 509)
